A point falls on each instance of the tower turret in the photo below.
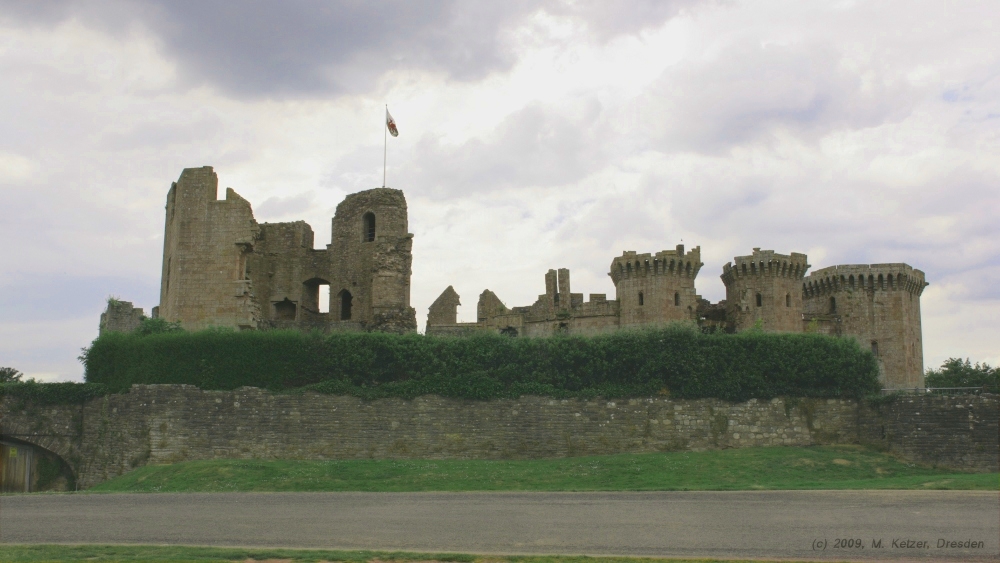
(877, 304)
(765, 286)
(656, 288)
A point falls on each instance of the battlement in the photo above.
(870, 277)
(766, 263)
(664, 263)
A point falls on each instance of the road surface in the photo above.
(779, 524)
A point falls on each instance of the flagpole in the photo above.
(385, 144)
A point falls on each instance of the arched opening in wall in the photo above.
(760, 300)
(640, 298)
(509, 331)
(677, 299)
(850, 280)
(26, 467)
(563, 328)
(875, 348)
(881, 282)
(346, 303)
(788, 300)
(833, 305)
(284, 310)
(368, 228)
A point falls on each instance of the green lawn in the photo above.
(820, 467)
(161, 554)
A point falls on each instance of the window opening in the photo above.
(760, 301)
(833, 305)
(640, 298)
(369, 227)
(875, 348)
(345, 305)
(788, 300)
(324, 298)
(677, 299)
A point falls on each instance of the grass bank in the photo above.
(161, 554)
(785, 468)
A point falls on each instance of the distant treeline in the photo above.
(675, 361)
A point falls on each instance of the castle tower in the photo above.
(206, 243)
(371, 261)
(877, 304)
(656, 288)
(767, 287)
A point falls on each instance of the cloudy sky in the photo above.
(540, 134)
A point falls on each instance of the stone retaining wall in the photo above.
(111, 435)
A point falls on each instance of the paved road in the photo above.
(783, 524)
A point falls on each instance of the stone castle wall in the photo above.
(765, 287)
(112, 435)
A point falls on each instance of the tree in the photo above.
(10, 375)
(956, 372)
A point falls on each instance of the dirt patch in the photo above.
(839, 461)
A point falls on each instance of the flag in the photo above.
(391, 124)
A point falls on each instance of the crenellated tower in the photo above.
(877, 304)
(765, 287)
(656, 288)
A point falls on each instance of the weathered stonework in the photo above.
(120, 316)
(223, 269)
(112, 435)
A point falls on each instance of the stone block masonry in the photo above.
(112, 435)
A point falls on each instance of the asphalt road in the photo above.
(779, 524)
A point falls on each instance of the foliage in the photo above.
(957, 373)
(156, 326)
(53, 393)
(10, 375)
(372, 365)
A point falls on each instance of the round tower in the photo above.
(765, 287)
(656, 288)
(878, 305)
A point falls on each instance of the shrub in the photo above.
(674, 360)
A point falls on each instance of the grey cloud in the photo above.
(748, 91)
(322, 47)
(535, 146)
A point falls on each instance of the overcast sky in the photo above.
(540, 134)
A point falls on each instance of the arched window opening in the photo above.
(881, 282)
(788, 300)
(284, 310)
(509, 331)
(369, 227)
(875, 348)
(346, 302)
(677, 299)
(640, 298)
(760, 300)
(833, 305)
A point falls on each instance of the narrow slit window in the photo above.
(788, 300)
(677, 299)
(760, 300)
(369, 227)
(345, 305)
(640, 298)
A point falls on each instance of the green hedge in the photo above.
(677, 361)
(53, 393)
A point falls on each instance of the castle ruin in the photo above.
(221, 268)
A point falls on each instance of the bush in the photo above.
(957, 373)
(675, 360)
(53, 393)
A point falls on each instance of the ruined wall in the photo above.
(765, 287)
(656, 289)
(120, 316)
(112, 435)
(205, 247)
(220, 268)
(879, 305)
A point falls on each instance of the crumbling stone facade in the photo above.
(879, 305)
(223, 269)
(120, 316)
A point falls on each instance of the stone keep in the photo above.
(221, 268)
(656, 288)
